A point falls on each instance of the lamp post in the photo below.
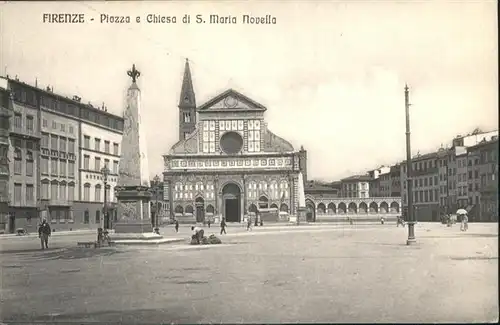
(409, 181)
(105, 220)
(156, 181)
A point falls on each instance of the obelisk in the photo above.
(133, 188)
(301, 210)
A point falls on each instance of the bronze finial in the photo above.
(134, 74)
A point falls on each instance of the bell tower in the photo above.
(187, 105)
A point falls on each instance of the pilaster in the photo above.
(243, 193)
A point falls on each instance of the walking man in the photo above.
(223, 226)
(44, 232)
(176, 225)
(209, 221)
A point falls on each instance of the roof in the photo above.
(483, 144)
(431, 155)
(187, 97)
(234, 93)
(357, 178)
(67, 99)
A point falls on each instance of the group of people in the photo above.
(198, 233)
(450, 219)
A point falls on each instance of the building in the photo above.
(380, 182)
(25, 153)
(484, 165)
(350, 199)
(461, 179)
(357, 186)
(48, 150)
(99, 148)
(228, 162)
(58, 163)
(395, 176)
(5, 117)
(456, 163)
(158, 200)
(429, 184)
(473, 138)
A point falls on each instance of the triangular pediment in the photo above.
(231, 100)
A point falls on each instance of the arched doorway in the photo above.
(321, 208)
(231, 202)
(394, 207)
(363, 208)
(200, 209)
(311, 211)
(384, 207)
(332, 209)
(342, 209)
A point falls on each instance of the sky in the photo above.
(331, 74)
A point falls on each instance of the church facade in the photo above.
(227, 162)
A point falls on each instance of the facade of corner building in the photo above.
(5, 120)
(57, 147)
(227, 162)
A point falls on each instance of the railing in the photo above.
(25, 131)
(58, 202)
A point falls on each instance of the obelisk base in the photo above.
(301, 215)
(134, 215)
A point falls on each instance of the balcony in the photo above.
(428, 171)
(25, 132)
(57, 202)
(4, 133)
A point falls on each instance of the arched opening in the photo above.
(394, 207)
(384, 207)
(274, 206)
(321, 208)
(189, 210)
(200, 209)
(311, 211)
(352, 208)
(263, 202)
(342, 208)
(332, 209)
(231, 194)
(179, 209)
(284, 208)
(363, 208)
(373, 207)
(210, 211)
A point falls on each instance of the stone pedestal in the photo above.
(302, 215)
(134, 215)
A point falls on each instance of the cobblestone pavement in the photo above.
(322, 274)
